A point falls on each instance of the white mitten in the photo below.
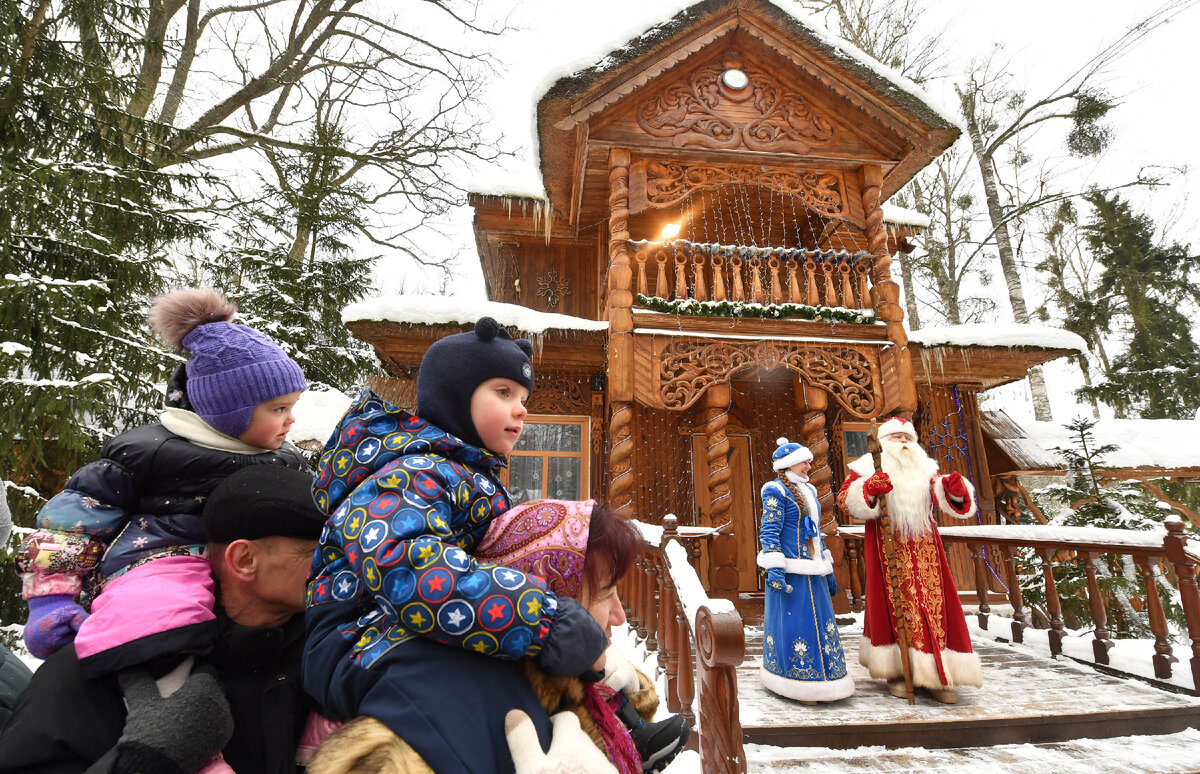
(571, 750)
(619, 674)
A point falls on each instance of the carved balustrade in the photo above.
(700, 641)
(680, 270)
(1152, 553)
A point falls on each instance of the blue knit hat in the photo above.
(455, 366)
(788, 454)
(232, 368)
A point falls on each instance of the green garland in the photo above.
(693, 308)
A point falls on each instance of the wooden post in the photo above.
(815, 401)
(620, 336)
(1053, 605)
(1189, 593)
(853, 552)
(1015, 598)
(686, 684)
(665, 613)
(1158, 621)
(1101, 644)
(722, 549)
(981, 582)
(650, 616)
(885, 292)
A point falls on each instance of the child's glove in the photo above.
(619, 674)
(955, 486)
(175, 735)
(832, 581)
(877, 484)
(574, 643)
(777, 580)
(53, 623)
(571, 750)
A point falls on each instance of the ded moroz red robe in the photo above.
(939, 643)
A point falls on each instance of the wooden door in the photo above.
(742, 511)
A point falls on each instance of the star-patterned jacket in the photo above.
(408, 503)
(143, 498)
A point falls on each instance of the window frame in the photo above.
(584, 422)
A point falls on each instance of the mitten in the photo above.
(877, 484)
(832, 581)
(777, 580)
(574, 643)
(53, 622)
(619, 674)
(955, 486)
(571, 750)
(173, 735)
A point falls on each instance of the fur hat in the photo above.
(547, 538)
(263, 500)
(455, 366)
(232, 368)
(897, 425)
(788, 454)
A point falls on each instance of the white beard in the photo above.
(910, 502)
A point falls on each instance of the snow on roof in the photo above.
(559, 32)
(1141, 443)
(317, 414)
(445, 310)
(902, 216)
(998, 335)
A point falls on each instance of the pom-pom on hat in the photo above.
(897, 425)
(455, 366)
(788, 454)
(547, 538)
(231, 368)
(261, 501)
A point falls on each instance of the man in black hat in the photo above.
(262, 527)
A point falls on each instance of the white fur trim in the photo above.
(771, 559)
(884, 661)
(943, 500)
(856, 501)
(807, 567)
(897, 425)
(799, 690)
(800, 455)
(863, 466)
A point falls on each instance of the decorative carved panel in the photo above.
(688, 368)
(558, 393)
(701, 110)
(667, 183)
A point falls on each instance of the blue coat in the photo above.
(393, 582)
(802, 650)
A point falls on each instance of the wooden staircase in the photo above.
(1026, 699)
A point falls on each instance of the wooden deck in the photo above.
(1026, 700)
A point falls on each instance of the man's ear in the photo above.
(241, 559)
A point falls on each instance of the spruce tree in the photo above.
(1148, 286)
(83, 227)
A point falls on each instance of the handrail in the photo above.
(700, 641)
(1053, 544)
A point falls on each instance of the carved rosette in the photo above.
(560, 394)
(697, 112)
(668, 183)
(688, 368)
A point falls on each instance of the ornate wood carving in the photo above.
(697, 112)
(688, 368)
(560, 394)
(668, 183)
(720, 649)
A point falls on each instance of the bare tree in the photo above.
(888, 31)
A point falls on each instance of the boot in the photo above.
(896, 688)
(658, 743)
(945, 695)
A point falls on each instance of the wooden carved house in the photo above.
(712, 265)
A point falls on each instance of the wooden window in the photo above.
(550, 460)
(854, 440)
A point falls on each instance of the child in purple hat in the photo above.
(125, 536)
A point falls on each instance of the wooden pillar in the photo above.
(722, 564)
(885, 293)
(620, 336)
(813, 401)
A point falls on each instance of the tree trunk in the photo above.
(910, 294)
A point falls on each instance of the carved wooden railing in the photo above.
(700, 643)
(681, 270)
(1150, 552)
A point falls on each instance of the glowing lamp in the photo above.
(670, 231)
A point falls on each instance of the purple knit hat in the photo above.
(232, 368)
(547, 538)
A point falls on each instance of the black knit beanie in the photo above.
(262, 500)
(454, 366)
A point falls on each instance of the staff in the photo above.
(892, 576)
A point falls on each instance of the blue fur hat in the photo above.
(788, 454)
